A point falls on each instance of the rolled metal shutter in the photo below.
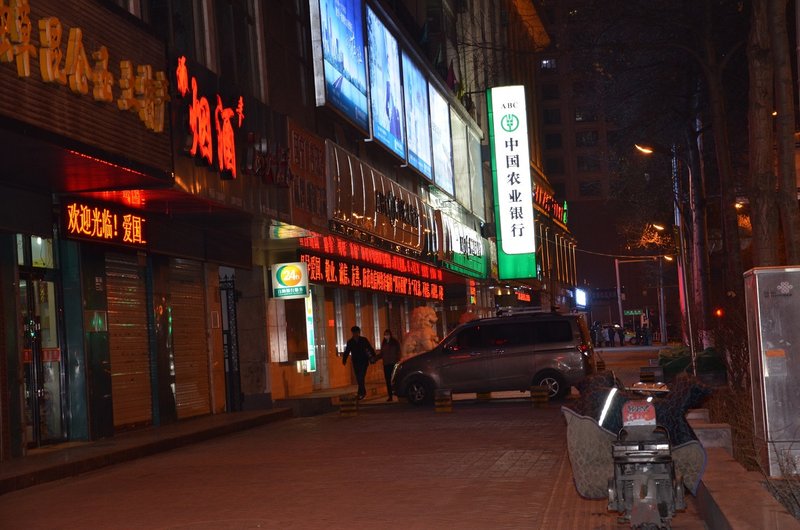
(128, 341)
(189, 338)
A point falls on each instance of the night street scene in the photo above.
(418, 264)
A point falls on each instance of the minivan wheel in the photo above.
(419, 391)
(556, 386)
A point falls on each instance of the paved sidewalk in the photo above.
(501, 464)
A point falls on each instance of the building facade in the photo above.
(175, 166)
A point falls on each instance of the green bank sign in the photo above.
(511, 175)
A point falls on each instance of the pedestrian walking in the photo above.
(621, 332)
(605, 337)
(361, 351)
(390, 353)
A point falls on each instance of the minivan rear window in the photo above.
(552, 331)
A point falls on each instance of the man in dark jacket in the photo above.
(390, 352)
(361, 350)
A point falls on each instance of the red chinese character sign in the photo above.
(103, 224)
(223, 119)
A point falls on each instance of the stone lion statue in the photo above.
(422, 335)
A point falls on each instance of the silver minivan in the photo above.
(504, 353)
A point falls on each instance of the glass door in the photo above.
(41, 353)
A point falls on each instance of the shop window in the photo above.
(35, 251)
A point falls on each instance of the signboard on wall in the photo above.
(289, 280)
(335, 261)
(511, 175)
(307, 184)
(78, 70)
(366, 205)
(462, 248)
(340, 71)
(103, 224)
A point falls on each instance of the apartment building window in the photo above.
(587, 163)
(585, 114)
(551, 116)
(183, 22)
(554, 165)
(133, 7)
(586, 138)
(238, 37)
(550, 92)
(590, 188)
(552, 141)
(548, 66)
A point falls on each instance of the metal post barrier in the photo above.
(539, 396)
(348, 405)
(444, 400)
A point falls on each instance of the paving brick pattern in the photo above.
(500, 464)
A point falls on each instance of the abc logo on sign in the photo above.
(289, 275)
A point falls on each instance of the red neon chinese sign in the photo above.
(200, 120)
(331, 271)
(350, 250)
(101, 223)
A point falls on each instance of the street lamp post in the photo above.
(686, 314)
(662, 320)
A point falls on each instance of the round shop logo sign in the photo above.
(509, 123)
(289, 280)
(289, 275)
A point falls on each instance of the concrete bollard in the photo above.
(348, 405)
(444, 400)
(539, 396)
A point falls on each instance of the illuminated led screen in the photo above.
(385, 86)
(418, 125)
(340, 25)
(441, 142)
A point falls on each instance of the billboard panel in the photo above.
(418, 126)
(511, 175)
(385, 86)
(340, 72)
(442, 143)
(460, 160)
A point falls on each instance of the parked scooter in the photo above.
(644, 488)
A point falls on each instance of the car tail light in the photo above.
(584, 349)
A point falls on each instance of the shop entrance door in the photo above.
(42, 359)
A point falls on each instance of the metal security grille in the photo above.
(128, 341)
(189, 335)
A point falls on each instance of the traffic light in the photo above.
(719, 312)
